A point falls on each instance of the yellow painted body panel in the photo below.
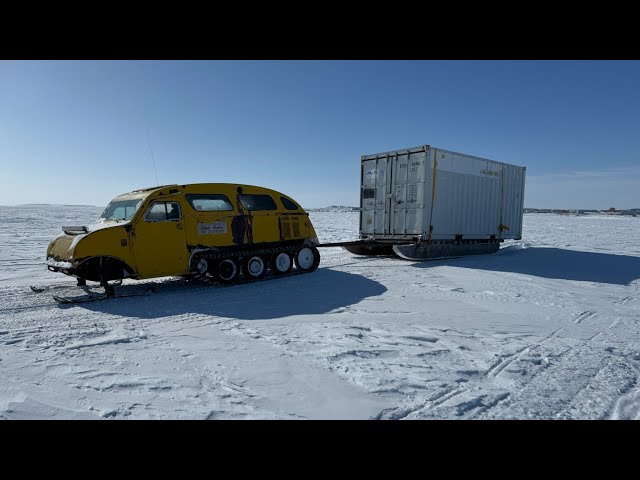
(162, 248)
(105, 242)
(102, 242)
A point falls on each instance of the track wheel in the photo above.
(227, 270)
(282, 263)
(307, 259)
(201, 266)
(254, 267)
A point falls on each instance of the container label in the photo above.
(412, 193)
(414, 166)
(490, 173)
(212, 228)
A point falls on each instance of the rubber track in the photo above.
(241, 279)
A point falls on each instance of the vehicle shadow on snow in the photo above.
(554, 263)
(315, 293)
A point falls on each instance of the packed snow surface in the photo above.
(548, 327)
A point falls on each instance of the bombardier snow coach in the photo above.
(214, 230)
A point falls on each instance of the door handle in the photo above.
(179, 225)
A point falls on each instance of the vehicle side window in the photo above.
(210, 202)
(163, 211)
(288, 204)
(257, 202)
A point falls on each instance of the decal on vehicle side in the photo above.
(212, 228)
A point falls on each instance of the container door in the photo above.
(392, 163)
(410, 173)
(399, 205)
(381, 218)
(368, 196)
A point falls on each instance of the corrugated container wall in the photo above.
(440, 195)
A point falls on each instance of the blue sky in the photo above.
(76, 132)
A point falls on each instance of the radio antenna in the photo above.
(152, 159)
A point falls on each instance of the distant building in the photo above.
(559, 211)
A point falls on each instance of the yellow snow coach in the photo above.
(217, 230)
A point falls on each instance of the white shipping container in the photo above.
(431, 194)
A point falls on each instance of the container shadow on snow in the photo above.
(555, 263)
(316, 293)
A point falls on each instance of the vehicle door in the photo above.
(159, 240)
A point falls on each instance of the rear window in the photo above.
(257, 202)
(288, 204)
(210, 202)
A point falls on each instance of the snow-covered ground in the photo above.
(549, 327)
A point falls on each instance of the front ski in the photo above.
(82, 299)
(95, 298)
(46, 288)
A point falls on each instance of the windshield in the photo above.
(122, 210)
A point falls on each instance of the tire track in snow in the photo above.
(583, 399)
(478, 405)
(627, 300)
(609, 327)
(494, 371)
(585, 316)
(577, 405)
(624, 301)
(446, 396)
(400, 413)
(627, 407)
(499, 366)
